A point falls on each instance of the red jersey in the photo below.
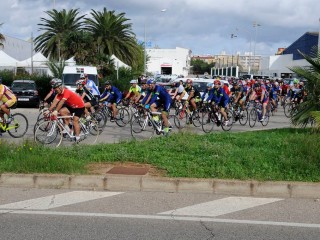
(226, 89)
(72, 99)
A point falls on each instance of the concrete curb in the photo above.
(115, 182)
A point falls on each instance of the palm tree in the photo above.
(2, 38)
(56, 68)
(310, 107)
(56, 28)
(113, 35)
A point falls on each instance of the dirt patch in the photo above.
(104, 168)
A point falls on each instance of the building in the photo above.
(279, 65)
(168, 61)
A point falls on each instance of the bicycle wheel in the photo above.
(226, 126)
(101, 119)
(123, 117)
(196, 119)
(48, 133)
(172, 118)
(243, 118)
(141, 128)
(207, 122)
(287, 109)
(182, 117)
(89, 132)
(18, 126)
(266, 119)
(253, 117)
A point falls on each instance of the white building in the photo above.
(168, 61)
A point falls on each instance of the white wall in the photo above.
(178, 58)
(280, 64)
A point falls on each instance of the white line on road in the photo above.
(157, 217)
(58, 200)
(221, 206)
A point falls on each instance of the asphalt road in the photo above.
(114, 134)
(60, 214)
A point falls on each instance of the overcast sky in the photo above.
(204, 26)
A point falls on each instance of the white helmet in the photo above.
(82, 75)
(133, 81)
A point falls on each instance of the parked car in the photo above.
(26, 92)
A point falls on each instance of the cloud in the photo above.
(204, 26)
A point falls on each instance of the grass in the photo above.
(278, 155)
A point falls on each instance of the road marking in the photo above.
(221, 206)
(58, 200)
(158, 217)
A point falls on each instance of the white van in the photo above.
(72, 73)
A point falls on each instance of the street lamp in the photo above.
(232, 36)
(145, 47)
(255, 25)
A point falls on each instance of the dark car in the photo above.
(26, 92)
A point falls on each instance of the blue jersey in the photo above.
(161, 94)
(219, 96)
(114, 95)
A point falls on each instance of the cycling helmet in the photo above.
(143, 81)
(150, 81)
(217, 82)
(82, 75)
(257, 85)
(56, 83)
(189, 81)
(209, 84)
(295, 81)
(133, 81)
(107, 83)
(80, 82)
(276, 84)
(53, 80)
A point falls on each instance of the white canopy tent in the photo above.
(7, 61)
(37, 60)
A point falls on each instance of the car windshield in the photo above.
(23, 85)
(201, 86)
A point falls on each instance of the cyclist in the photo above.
(260, 94)
(134, 93)
(87, 97)
(8, 100)
(220, 98)
(51, 94)
(177, 90)
(73, 104)
(239, 94)
(112, 96)
(194, 95)
(91, 86)
(157, 96)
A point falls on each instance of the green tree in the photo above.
(56, 29)
(2, 38)
(200, 67)
(113, 35)
(309, 108)
(56, 68)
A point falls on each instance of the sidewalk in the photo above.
(120, 182)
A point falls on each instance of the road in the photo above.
(63, 214)
(114, 134)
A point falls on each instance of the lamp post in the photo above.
(255, 25)
(145, 47)
(232, 36)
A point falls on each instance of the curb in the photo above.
(116, 182)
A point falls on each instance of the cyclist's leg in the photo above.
(78, 112)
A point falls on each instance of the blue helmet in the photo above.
(209, 84)
(150, 81)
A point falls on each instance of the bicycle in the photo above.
(212, 115)
(144, 126)
(53, 130)
(122, 118)
(256, 114)
(186, 116)
(239, 114)
(18, 126)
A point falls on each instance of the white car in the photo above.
(199, 83)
